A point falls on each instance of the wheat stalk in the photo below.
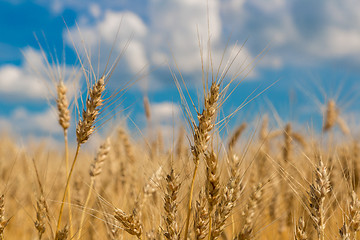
(201, 137)
(94, 172)
(84, 129)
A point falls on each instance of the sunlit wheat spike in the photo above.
(222, 212)
(319, 189)
(127, 145)
(130, 222)
(235, 136)
(94, 102)
(331, 115)
(40, 216)
(344, 232)
(63, 106)
(62, 234)
(212, 180)
(205, 125)
(300, 233)
(201, 218)
(343, 126)
(147, 108)
(3, 222)
(354, 213)
(96, 166)
(171, 206)
(249, 213)
(152, 186)
(235, 176)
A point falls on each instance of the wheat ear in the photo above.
(300, 233)
(354, 214)
(319, 189)
(171, 206)
(85, 127)
(3, 222)
(130, 222)
(127, 145)
(344, 232)
(201, 219)
(212, 185)
(64, 121)
(40, 216)
(249, 213)
(63, 106)
(62, 234)
(331, 115)
(222, 212)
(95, 170)
(235, 137)
(201, 137)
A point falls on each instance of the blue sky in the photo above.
(314, 52)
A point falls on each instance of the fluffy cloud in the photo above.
(24, 122)
(170, 34)
(20, 82)
(165, 112)
(104, 32)
(301, 33)
(165, 116)
(33, 81)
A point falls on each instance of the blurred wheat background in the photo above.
(179, 120)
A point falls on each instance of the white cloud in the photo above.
(24, 122)
(20, 82)
(339, 42)
(176, 25)
(165, 116)
(300, 33)
(165, 112)
(94, 10)
(104, 32)
(33, 81)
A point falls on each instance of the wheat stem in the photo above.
(67, 172)
(67, 187)
(85, 206)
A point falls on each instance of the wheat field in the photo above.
(264, 182)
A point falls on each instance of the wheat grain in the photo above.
(63, 106)
(40, 216)
(171, 206)
(201, 218)
(344, 232)
(131, 223)
(318, 192)
(354, 213)
(3, 222)
(62, 234)
(249, 213)
(300, 230)
(94, 102)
